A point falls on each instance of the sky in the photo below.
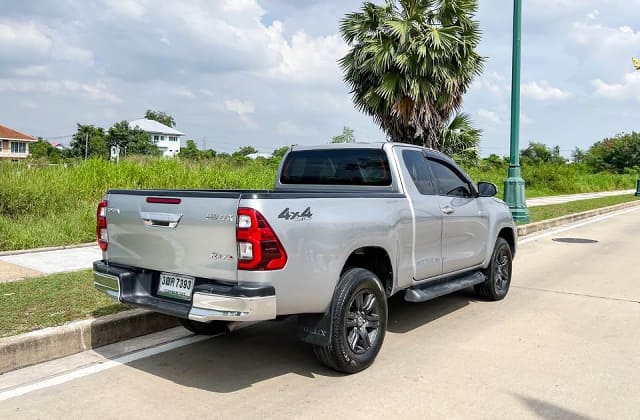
(264, 72)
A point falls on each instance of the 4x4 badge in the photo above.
(296, 215)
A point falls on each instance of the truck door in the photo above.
(422, 192)
(465, 223)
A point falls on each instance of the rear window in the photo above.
(337, 167)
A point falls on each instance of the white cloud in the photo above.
(128, 8)
(629, 88)
(97, 91)
(543, 91)
(307, 58)
(494, 83)
(597, 35)
(17, 35)
(489, 116)
(524, 119)
(242, 108)
(594, 14)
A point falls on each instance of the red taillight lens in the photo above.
(258, 246)
(101, 225)
(163, 200)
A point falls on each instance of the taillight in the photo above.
(101, 225)
(258, 246)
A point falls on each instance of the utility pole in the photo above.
(514, 185)
(86, 145)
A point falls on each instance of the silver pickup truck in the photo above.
(345, 227)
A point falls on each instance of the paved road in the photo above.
(564, 344)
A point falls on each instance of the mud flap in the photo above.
(315, 328)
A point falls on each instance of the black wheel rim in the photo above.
(362, 322)
(502, 268)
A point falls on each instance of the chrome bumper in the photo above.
(208, 307)
(204, 307)
(107, 284)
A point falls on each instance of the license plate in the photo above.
(176, 286)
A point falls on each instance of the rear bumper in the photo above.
(211, 301)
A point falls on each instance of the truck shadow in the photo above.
(269, 350)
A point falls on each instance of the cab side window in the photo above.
(416, 165)
(449, 182)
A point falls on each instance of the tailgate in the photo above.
(192, 233)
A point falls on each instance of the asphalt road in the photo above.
(564, 344)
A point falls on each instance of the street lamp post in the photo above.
(514, 185)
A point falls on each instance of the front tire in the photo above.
(204, 328)
(498, 274)
(359, 318)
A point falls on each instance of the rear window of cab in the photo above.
(337, 167)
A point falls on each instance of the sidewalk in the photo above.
(18, 266)
(23, 264)
(559, 199)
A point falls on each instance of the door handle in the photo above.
(448, 210)
(166, 220)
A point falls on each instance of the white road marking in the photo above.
(90, 370)
(554, 231)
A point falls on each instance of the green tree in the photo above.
(244, 151)
(96, 142)
(161, 117)
(410, 63)
(578, 155)
(190, 151)
(460, 139)
(134, 140)
(616, 154)
(279, 153)
(537, 153)
(40, 149)
(346, 136)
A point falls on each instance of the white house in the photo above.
(166, 138)
(14, 145)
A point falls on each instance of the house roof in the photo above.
(9, 133)
(151, 126)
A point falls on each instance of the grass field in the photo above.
(52, 300)
(55, 205)
(556, 210)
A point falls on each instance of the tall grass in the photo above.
(55, 205)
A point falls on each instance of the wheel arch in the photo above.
(375, 259)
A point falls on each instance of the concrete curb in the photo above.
(51, 343)
(45, 249)
(531, 228)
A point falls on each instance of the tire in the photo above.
(498, 273)
(359, 318)
(204, 328)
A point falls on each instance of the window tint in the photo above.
(449, 181)
(337, 167)
(416, 164)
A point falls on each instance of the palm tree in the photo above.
(460, 139)
(410, 63)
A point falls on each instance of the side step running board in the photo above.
(432, 291)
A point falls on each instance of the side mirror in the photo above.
(487, 189)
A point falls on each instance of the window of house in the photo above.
(162, 138)
(156, 138)
(18, 147)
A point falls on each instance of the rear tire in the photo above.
(204, 328)
(498, 273)
(359, 319)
